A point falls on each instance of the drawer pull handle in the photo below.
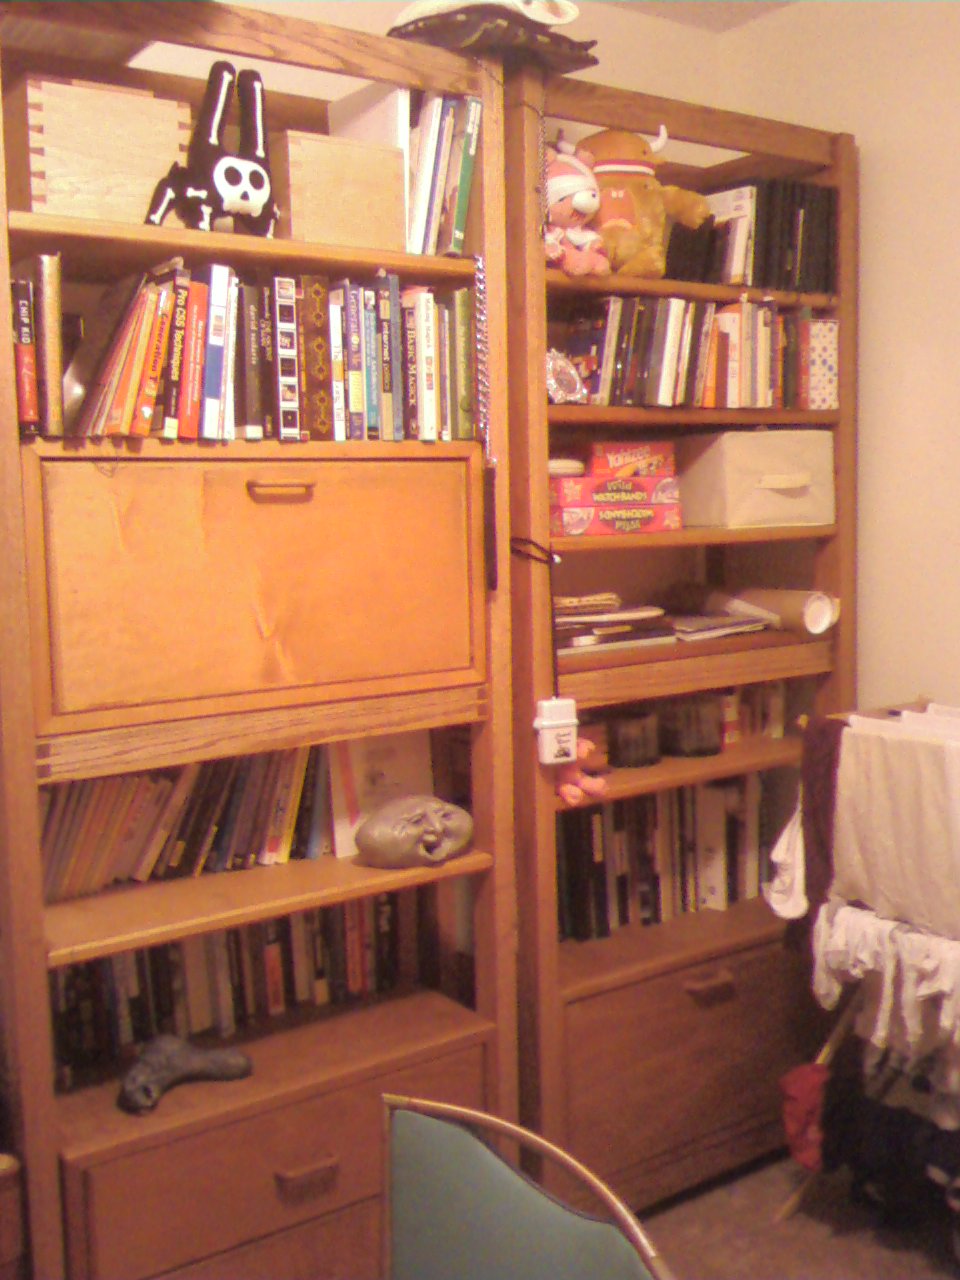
(313, 1179)
(281, 490)
(711, 990)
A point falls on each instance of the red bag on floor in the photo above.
(803, 1088)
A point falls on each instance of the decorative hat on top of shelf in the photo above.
(215, 184)
(515, 30)
(636, 210)
(573, 199)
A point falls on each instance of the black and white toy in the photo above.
(214, 183)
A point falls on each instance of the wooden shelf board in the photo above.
(691, 668)
(328, 1053)
(749, 756)
(637, 952)
(592, 416)
(558, 283)
(701, 536)
(106, 250)
(101, 752)
(148, 449)
(128, 917)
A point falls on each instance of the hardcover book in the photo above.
(44, 271)
(191, 377)
(286, 358)
(316, 401)
(460, 169)
(25, 356)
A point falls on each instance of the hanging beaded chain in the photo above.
(482, 349)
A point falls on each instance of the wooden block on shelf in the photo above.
(338, 191)
(89, 150)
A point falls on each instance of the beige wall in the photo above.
(887, 71)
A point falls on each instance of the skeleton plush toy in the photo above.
(214, 183)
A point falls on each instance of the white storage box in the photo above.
(769, 477)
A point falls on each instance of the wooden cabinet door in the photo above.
(674, 1079)
(163, 587)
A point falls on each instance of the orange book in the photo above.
(191, 378)
(120, 413)
(141, 424)
(92, 417)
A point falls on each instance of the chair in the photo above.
(456, 1209)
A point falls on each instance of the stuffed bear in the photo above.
(636, 212)
(572, 199)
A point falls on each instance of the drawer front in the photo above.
(669, 1063)
(178, 582)
(341, 1246)
(173, 1205)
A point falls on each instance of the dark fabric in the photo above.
(818, 771)
(492, 29)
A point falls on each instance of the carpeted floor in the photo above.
(728, 1232)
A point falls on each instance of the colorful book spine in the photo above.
(353, 360)
(316, 405)
(228, 404)
(144, 408)
(453, 220)
(191, 380)
(248, 397)
(173, 369)
(370, 349)
(338, 385)
(25, 357)
(217, 277)
(286, 360)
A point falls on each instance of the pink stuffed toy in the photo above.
(573, 784)
(573, 197)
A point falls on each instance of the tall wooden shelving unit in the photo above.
(280, 1173)
(654, 1055)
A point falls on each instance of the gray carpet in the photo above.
(728, 1232)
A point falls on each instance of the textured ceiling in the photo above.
(711, 15)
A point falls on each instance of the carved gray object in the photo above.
(166, 1061)
(413, 831)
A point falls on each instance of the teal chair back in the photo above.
(458, 1210)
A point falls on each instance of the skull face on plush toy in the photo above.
(636, 211)
(214, 183)
(573, 198)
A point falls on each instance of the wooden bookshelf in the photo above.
(630, 1042)
(439, 1034)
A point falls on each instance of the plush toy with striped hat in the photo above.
(572, 200)
(636, 212)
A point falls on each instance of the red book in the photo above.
(25, 354)
(191, 378)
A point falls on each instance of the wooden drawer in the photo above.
(341, 1246)
(168, 1207)
(178, 588)
(669, 1077)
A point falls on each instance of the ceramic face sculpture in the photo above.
(413, 831)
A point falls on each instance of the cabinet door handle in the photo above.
(280, 490)
(309, 1180)
(712, 989)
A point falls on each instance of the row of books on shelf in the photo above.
(222, 815)
(676, 352)
(208, 354)
(648, 859)
(215, 985)
(773, 233)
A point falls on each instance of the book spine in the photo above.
(173, 369)
(425, 310)
(463, 365)
(396, 344)
(444, 361)
(144, 408)
(268, 357)
(316, 407)
(248, 401)
(353, 361)
(338, 386)
(287, 379)
(119, 414)
(25, 357)
(370, 348)
(228, 404)
(218, 297)
(388, 370)
(408, 365)
(49, 317)
(438, 181)
(453, 228)
(191, 378)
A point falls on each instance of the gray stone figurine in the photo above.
(167, 1060)
(413, 831)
